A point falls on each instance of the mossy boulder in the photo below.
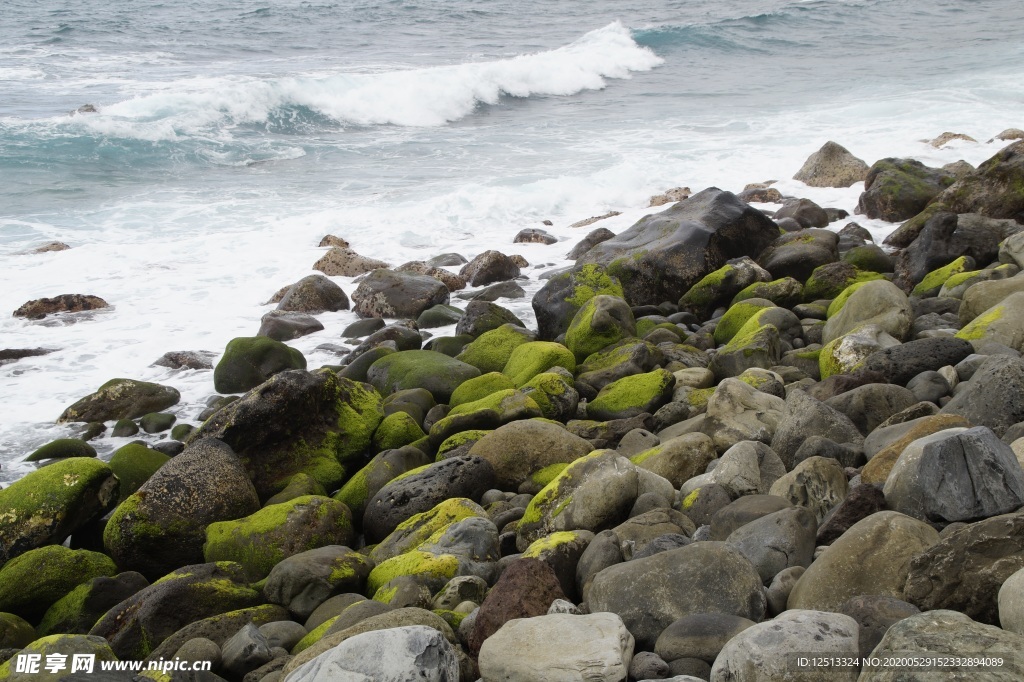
(719, 287)
(260, 541)
(133, 464)
(64, 646)
(32, 582)
(218, 629)
(314, 294)
(797, 254)
(880, 303)
(304, 581)
(15, 632)
(383, 468)
(1003, 323)
(157, 422)
(163, 524)
(431, 370)
(436, 569)
(627, 357)
(601, 321)
(869, 258)
(483, 316)
(554, 394)
(934, 280)
(121, 399)
(299, 485)
(78, 610)
(425, 528)
(62, 448)
(49, 504)
(632, 396)
(848, 352)
(140, 623)
(678, 459)
(898, 189)
(736, 316)
(490, 351)
(828, 281)
(756, 344)
(490, 412)
(440, 315)
(520, 449)
(312, 422)
(480, 387)
(994, 190)
(957, 285)
(396, 430)
(531, 359)
(785, 292)
(664, 254)
(558, 301)
(248, 361)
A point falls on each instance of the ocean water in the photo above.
(231, 136)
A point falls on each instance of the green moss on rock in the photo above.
(632, 395)
(248, 361)
(933, 281)
(15, 632)
(133, 464)
(442, 567)
(537, 357)
(62, 448)
(490, 351)
(785, 292)
(480, 387)
(736, 316)
(397, 429)
(32, 582)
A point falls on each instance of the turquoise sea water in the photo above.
(230, 136)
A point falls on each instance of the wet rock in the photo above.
(121, 399)
(285, 326)
(384, 293)
(314, 294)
(488, 267)
(186, 359)
(533, 235)
(594, 238)
(832, 166)
(898, 189)
(249, 361)
(341, 261)
(65, 303)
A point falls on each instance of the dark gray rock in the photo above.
(304, 581)
(533, 235)
(488, 267)
(398, 500)
(384, 293)
(777, 541)
(599, 235)
(804, 211)
(928, 387)
(806, 417)
(664, 254)
(483, 316)
(186, 359)
(245, 652)
(898, 189)
(742, 511)
(869, 405)
(861, 502)
(284, 326)
(994, 396)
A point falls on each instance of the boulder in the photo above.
(47, 505)
(738, 412)
(900, 364)
(879, 303)
(700, 635)
(601, 321)
(78, 610)
(592, 239)
(388, 655)
(314, 294)
(663, 255)
(488, 267)
(520, 449)
(805, 417)
(872, 557)
(385, 293)
(491, 350)
(483, 316)
(993, 189)
(804, 211)
(452, 281)
(797, 254)
(526, 589)
(677, 459)
(777, 541)
(861, 502)
(65, 303)
(984, 295)
(818, 483)
(633, 395)
(163, 524)
(943, 633)
(1011, 606)
(559, 648)
(965, 568)
(31, 582)
(875, 614)
(832, 166)
(436, 372)
(886, 444)
(249, 361)
(341, 261)
(869, 405)
(1001, 324)
(298, 421)
(719, 287)
(994, 397)
(651, 593)
(747, 468)
(558, 301)
(898, 189)
(766, 651)
(829, 280)
(140, 623)
(121, 399)
(530, 359)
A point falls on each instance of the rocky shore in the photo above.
(735, 440)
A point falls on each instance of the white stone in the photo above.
(1011, 603)
(558, 648)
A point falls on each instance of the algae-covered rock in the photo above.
(629, 356)
(314, 294)
(632, 396)
(719, 287)
(785, 292)
(490, 412)
(520, 449)
(797, 254)
(828, 281)
(384, 467)
(664, 254)
(490, 351)
(121, 399)
(260, 541)
(396, 430)
(736, 316)
(530, 359)
(163, 524)
(934, 280)
(249, 361)
(898, 189)
(601, 321)
(133, 464)
(304, 581)
(137, 625)
(755, 344)
(62, 448)
(298, 485)
(1003, 323)
(558, 301)
(431, 370)
(311, 422)
(994, 190)
(480, 387)
(554, 394)
(879, 303)
(65, 647)
(15, 632)
(48, 505)
(78, 610)
(425, 527)
(850, 351)
(32, 582)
